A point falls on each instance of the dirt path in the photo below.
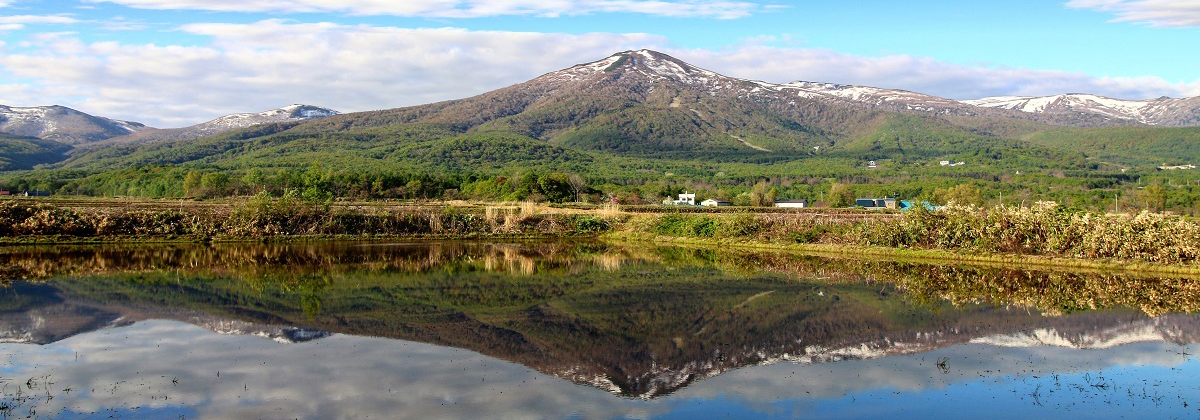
(750, 145)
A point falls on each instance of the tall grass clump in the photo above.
(774, 228)
(1044, 229)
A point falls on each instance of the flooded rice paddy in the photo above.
(587, 330)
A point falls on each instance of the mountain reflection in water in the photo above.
(660, 325)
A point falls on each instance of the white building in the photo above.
(685, 199)
(791, 203)
(716, 202)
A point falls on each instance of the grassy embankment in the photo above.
(277, 219)
(1043, 235)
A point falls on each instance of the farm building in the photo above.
(791, 203)
(876, 203)
(685, 199)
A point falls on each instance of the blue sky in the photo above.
(176, 62)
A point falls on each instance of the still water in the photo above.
(587, 330)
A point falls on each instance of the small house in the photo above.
(716, 202)
(685, 199)
(791, 203)
(877, 203)
(5, 193)
(37, 193)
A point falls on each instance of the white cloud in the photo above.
(38, 19)
(722, 9)
(1157, 13)
(268, 64)
(5, 27)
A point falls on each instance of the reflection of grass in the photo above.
(429, 279)
(1033, 262)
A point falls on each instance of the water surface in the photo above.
(553, 330)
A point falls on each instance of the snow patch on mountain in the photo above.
(1095, 340)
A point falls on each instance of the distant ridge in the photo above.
(1164, 111)
(62, 124)
(295, 112)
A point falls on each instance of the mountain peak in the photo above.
(643, 63)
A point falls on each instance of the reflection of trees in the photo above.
(268, 260)
(1054, 292)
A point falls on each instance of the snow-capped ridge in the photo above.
(63, 124)
(1161, 111)
(1073, 109)
(292, 112)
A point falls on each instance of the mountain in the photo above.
(643, 112)
(295, 112)
(1164, 111)
(62, 124)
(635, 104)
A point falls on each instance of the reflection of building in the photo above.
(791, 203)
(716, 202)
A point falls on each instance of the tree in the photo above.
(761, 195)
(578, 185)
(191, 183)
(214, 183)
(965, 194)
(255, 180)
(839, 195)
(556, 187)
(1155, 197)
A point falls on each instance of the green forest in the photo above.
(629, 144)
